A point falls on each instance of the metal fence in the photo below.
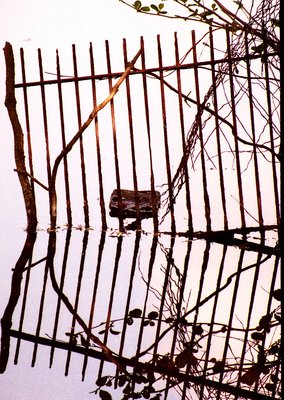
(199, 131)
(167, 314)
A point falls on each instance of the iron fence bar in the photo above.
(82, 156)
(183, 134)
(114, 136)
(44, 115)
(27, 119)
(231, 316)
(111, 296)
(166, 144)
(235, 131)
(252, 118)
(250, 310)
(40, 313)
(217, 129)
(131, 133)
(169, 259)
(94, 295)
(213, 315)
(276, 270)
(179, 306)
(205, 260)
(130, 290)
(98, 148)
(199, 116)
(148, 128)
(59, 300)
(114, 75)
(23, 309)
(77, 296)
(63, 138)
(150, 271)
(270, 125)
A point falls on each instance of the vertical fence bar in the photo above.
(44, 115)
(204, 177)
(63, 137)
(153, 253)
(61, 286)
(27, 118)
(131, 132)
(231, 316)
(217, 129)
(235, 131)
(94, 295)
(270, 126)
(166, 145)
(117, 172)
(83, 168)
(183, 134)
(169, 258)
(98, 148)
(148, 127)
(252, 118)
(250, 310)
(23, 309)
(211, 326)
(111, 297)
(77, 297)
(40, 314)
(130, 290)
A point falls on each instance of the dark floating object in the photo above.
(146, 203)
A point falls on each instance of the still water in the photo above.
(176, 304)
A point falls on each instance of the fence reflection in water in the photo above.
(193, 311)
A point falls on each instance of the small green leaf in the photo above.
(218, 367)
(154, 7)
(277, 294)
(137, 5)
(101, 381)
(257, 336)
(161, 6)
(136, 313)
(275, 22)
(153, 315)
(197, 330)
(84, 341)
(105, 395)
(122, 379)
(258, 49)
(145, 9)
(270, 387)
(114, 332)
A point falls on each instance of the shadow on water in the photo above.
(153, 317)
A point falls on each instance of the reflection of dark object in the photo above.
(147, 203)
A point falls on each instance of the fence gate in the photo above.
(161, 205)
